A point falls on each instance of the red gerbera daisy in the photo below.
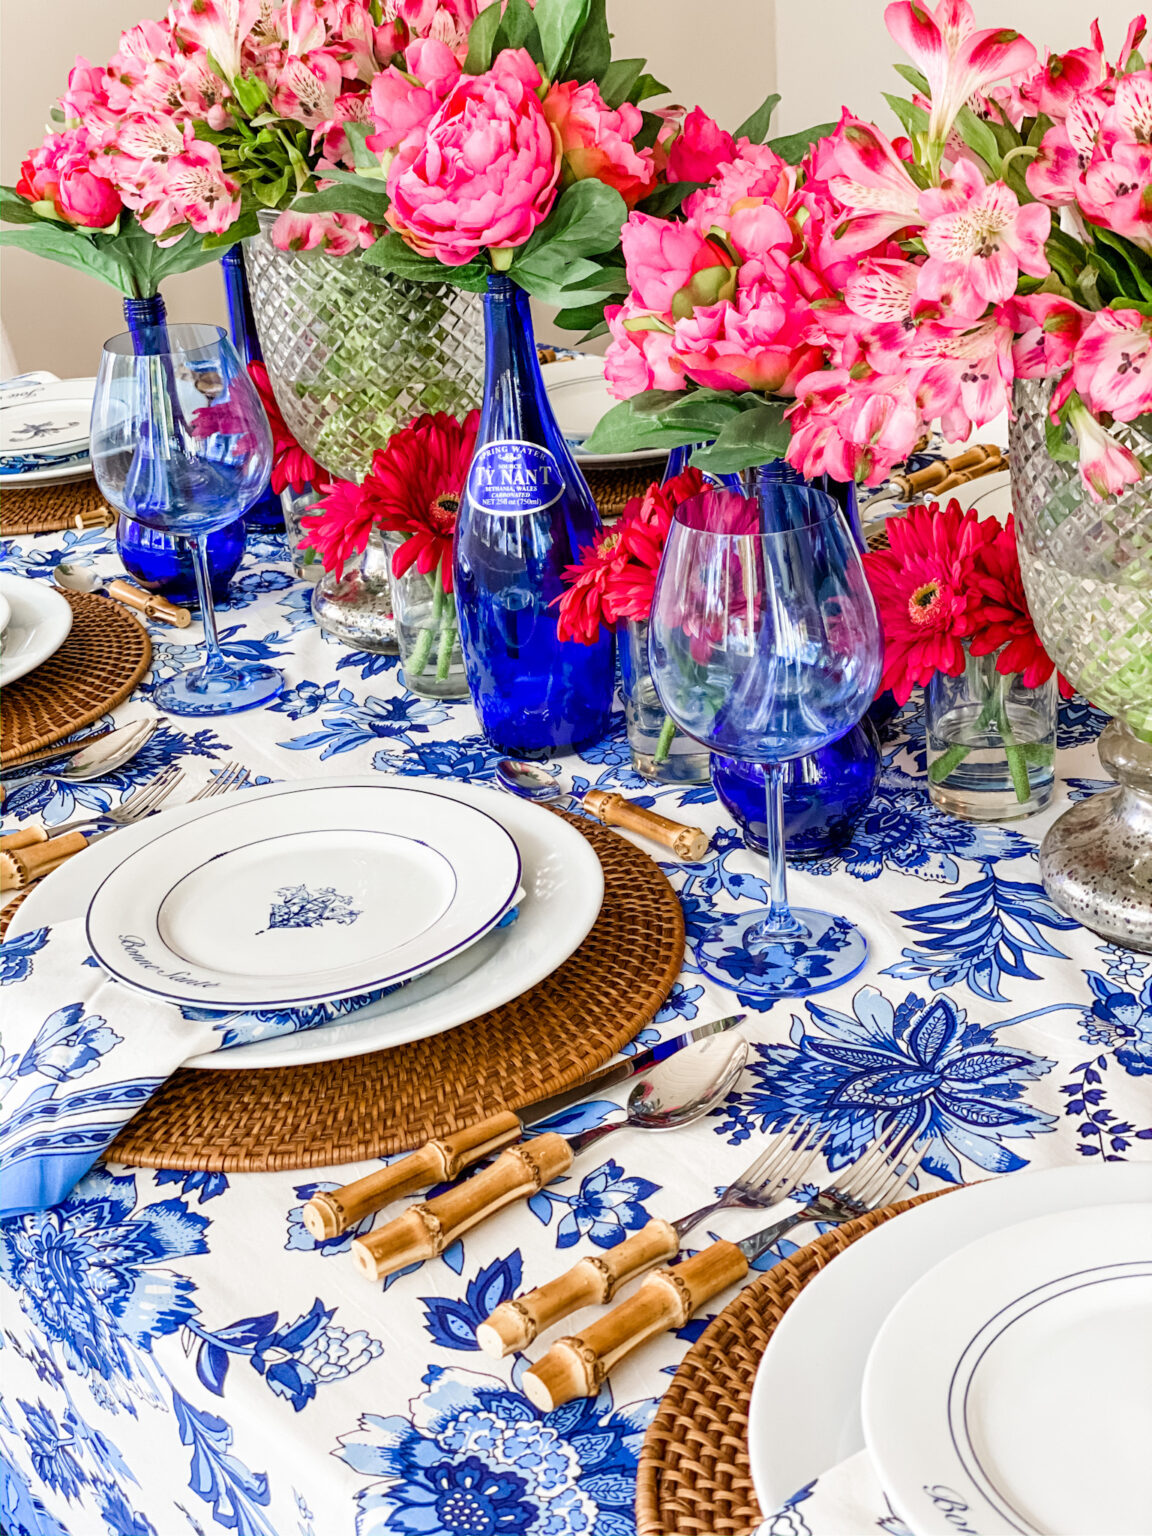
(582, 608)
(339, 527)
(997, 611)
(291, 466)
(920, 584)
(415, 488)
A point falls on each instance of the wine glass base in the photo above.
(218, 690)
(829, 951)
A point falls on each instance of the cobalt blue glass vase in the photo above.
(526, 514)
(154, 559)
(266, 514)
(824, 793)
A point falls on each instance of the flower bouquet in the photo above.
(955, 621)
(410, 496)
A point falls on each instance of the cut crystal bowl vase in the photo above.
(1087, 568)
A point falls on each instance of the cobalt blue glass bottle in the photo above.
(266, 514)
(155, 560)
(526, 514)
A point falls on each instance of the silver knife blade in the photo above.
(620, 1071)
(55, 755)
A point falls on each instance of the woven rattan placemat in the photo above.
(613, 486)
(366, 1106)
(105, 655)
(694, 1477)
(50, 508)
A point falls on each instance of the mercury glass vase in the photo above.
(1087, 568)
(660, 753)
(356, 607)
(427, 631)
(354, 353)
(991, 742)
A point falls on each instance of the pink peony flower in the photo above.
(665, 261)
(335, 233)
(1112, 364)
(398, 106)
(851, 430)
(485, 174)
(640, 356)
(596, 141)
(759, 342)
(1048, 328)
(1106, 466)
(977, 252)
(954, 57)
(699, 148)
(60, 172)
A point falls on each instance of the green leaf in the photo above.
(650, 127)
(15, 209)
(756, 126)
(666, 200)
(518, 29)
(914, 119)
(392, 255)
(754, 437)
(346, 197)
(362, 157)
(585, 221)
(55, 243)
(591, 52)
(794, 146)
(646, 86)
(618, 80)
(1060, 442)
(560, 23)
(627, 426)
(251, 94)
(244, 228)
(481, 39)
(914, 78)
(1135, 260)
(977, 134)
(587, 318)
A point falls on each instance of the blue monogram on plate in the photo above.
(298, 907)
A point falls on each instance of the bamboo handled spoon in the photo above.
(675, 1093)
(532, 782)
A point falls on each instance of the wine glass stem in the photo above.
(779, 919)
(213, 655)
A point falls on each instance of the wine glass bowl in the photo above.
(765, 645)
(180, 442)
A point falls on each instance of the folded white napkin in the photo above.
(81, 1054)
(847, 1500)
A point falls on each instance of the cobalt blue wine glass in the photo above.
(180, 442)
(765, 645)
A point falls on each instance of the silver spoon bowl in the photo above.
(530, 781)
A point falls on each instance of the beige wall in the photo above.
(726, 55)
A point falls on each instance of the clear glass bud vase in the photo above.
(356, 608)
(991, 742)
(660, 753)
(427, 631)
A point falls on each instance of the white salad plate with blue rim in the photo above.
(563, 886)
(39, 622)
(578, 394)
(1010, 1390)
(804, 1415)
(311, 897)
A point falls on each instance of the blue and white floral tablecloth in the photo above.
(178, 1354)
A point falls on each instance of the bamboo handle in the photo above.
(592, 1281)
(426, 1230)
(149, 604)
(330, 1212)
(988, 457)
(19, 867)
(24, 838)
(576, 1367)
(687, 843)
(94, 517)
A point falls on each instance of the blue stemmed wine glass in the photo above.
(180, 442)
(765, 645)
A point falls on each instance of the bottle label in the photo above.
(513, 478)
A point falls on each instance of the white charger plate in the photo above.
(563, 890)
(308, 898)
(579, 397)
(39, 622)
(805, 1411)
(1011, 1388)
(54, 419)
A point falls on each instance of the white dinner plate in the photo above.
(39, 623)
(579, 397)
(805, 1411)
(5, 614)
(563, 885)
(50, 474)
(308, 898)
(52, 421)
(1011, 1388)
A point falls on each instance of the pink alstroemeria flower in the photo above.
(336, 233)
(955, 59)
(305, 88)
(881, 299)
(977, 252)
(1048, 328)
(1117, 192)
(1106, 466)
(1066, 152)
(852, 431)
(872, 181)
(191, 189)
(964, 376)
(1112, 366)
(219, 27)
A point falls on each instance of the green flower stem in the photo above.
(957, 752)
(1017, 764)
(664, 744)
(420, 652)
(444, 653)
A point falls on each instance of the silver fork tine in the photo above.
(778, 1150)
(903, 1177)
(152, 795)
(231, 776)
(893, 1151)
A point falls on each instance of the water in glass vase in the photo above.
(526, 514)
